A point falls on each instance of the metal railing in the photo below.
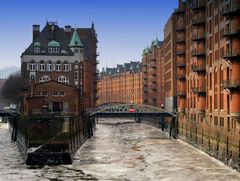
(199, 36)
(200, 20)
(197, 68)
(231, 83)
(232, 53)
(181, 76)
(181, 93)
(198, 4)
(198, 52)
(180, 39)
(230, 10)
(180, 27)
(199, 89)
(231, 32)
(181, 64)
(180, 52)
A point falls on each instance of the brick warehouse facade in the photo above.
(209, 91)
(195, 72)
(121, 84)
(153, 74)
(64, 58)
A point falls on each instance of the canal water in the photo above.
(120, 150)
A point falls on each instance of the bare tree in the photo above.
(12, 88)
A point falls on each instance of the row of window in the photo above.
(55, 93)
(42, 66)
(61, 79)
(37, 49)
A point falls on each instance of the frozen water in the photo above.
(121, 150)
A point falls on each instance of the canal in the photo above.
(120, 150)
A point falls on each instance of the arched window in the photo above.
(49, 66)
(63, 79)
(42, 65)
(58, 66)
(65, 66)
(44, 78)
(32, 65)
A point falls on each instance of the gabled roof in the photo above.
(86, 35)
(47, 35)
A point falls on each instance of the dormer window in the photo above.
(44, 78)
(37, 47)
(63, 79)
(53, 47)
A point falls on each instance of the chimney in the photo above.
(68, 31)
(36, 31)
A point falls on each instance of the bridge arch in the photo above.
(131, 110)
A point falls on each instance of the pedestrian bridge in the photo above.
(8, 113)
(129, 110)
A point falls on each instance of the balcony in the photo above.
(153, 66)
(198, 21)
(180, 40)
(154, 74)
(231, 10)
(97, 62)
(144, 71)
(153, 82)
(231, 33)
(198, 53)
(180, 27)
(181, 76)
(154, 89)
(199, 90)
(181, 93)
(231, 84)
(180, 52)
(198, 5)
(179, 11)
(233, 54)
(198, 37)
(198, 68)
(181, 64)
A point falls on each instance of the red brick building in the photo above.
(122, 84)
(209, 97)
(153, 74)
(201, 68)
(63, 58)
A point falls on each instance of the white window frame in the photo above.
(49, 66)
(32, 66)
(58, 67)
(41, 66)
(37, 49)
(44, 78)
(65, 67)
(63, 79)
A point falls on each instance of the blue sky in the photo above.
(124, 27)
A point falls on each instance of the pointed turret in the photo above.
(75, 40)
